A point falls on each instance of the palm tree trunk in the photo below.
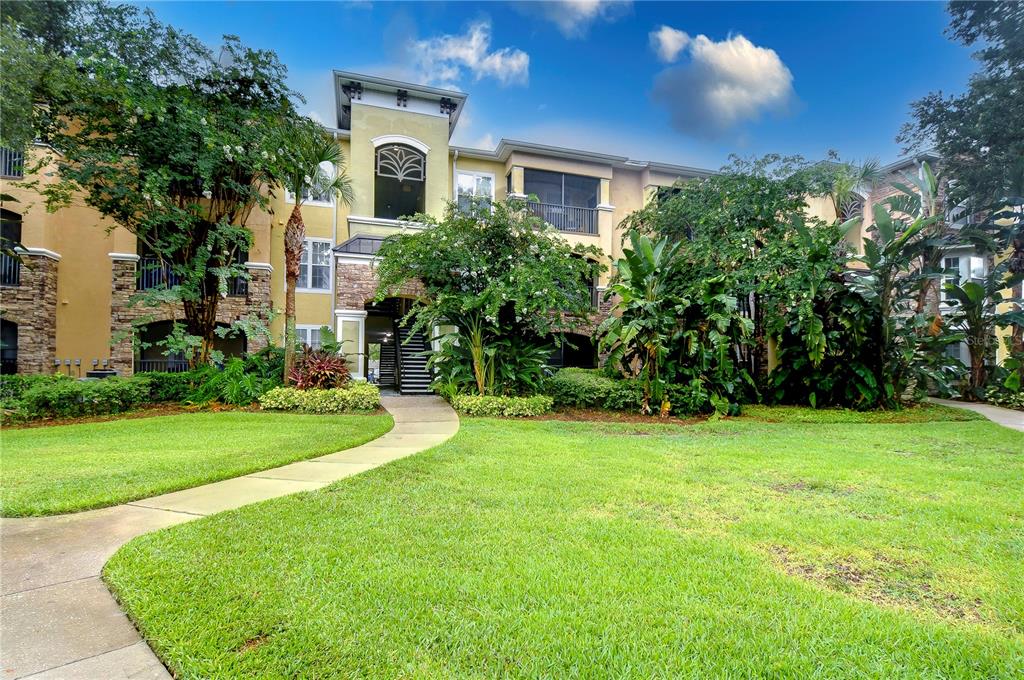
(294, 239)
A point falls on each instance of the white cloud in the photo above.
(574, 17)
(444, 59)
(724, 84)
(485, 142)
(668, 42)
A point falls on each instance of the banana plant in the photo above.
(977, 316)
(889, 253)
(638, 334)
(919, 198)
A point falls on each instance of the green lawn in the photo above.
(551, 549)
(67, 468)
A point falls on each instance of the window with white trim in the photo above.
(315, 266)
(308, 198)
(309, 336)
(960, 269)
(472, 186)
(399, 186)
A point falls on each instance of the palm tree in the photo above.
(314, 168)
(846, 180)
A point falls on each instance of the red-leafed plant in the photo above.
(316, 369)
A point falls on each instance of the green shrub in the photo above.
(230, 385)
(594, 388)
(357, 396)
(505, 407)
(581, 387)
(13, 386)
(72, 398)
(168, 386)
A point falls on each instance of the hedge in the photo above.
(591, 388)
(357, 396)
(69, 398)
(504, 407)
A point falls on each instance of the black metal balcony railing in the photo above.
(238, 286)
(153, 274)
(10, 270)
(161, 365)
(566, 217)
(12, 163)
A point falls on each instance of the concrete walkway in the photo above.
(57, 618)
(1004, 416)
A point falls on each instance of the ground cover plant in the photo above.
(738, 548)
(68, 468)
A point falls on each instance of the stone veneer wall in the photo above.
(356, 284)
(122, 313)
(33, 306)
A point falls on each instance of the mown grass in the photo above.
(920, 413)
(68, 468)
(552, 549)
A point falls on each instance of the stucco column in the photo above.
(518, 182)
(606, 225)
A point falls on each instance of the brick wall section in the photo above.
(603, 311)
(33, 306)
(356, 284)
(123, 313)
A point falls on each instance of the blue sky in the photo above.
(713, 79)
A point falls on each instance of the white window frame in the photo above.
(330, 267)
(289, 198)
(309, 328)
(476, 174)
(966, 260)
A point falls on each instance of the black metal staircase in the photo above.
(387, 365)
(413, 376)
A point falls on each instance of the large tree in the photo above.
(163, 138)
(980, 133)
(734, 223)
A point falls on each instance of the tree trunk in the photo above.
(200, 321)
(294, 239)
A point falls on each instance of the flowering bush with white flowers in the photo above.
(496, 272)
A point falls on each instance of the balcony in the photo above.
(12, 164)
(567, 218)
(10, 270)
(153, 274)
(238, 286)
(165, 365)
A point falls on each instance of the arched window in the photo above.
(399, 185)
(852, 207)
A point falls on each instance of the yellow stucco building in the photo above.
(66, 305)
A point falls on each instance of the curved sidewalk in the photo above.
(997, 414)
(57, 618)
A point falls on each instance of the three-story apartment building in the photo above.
(66, 305)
